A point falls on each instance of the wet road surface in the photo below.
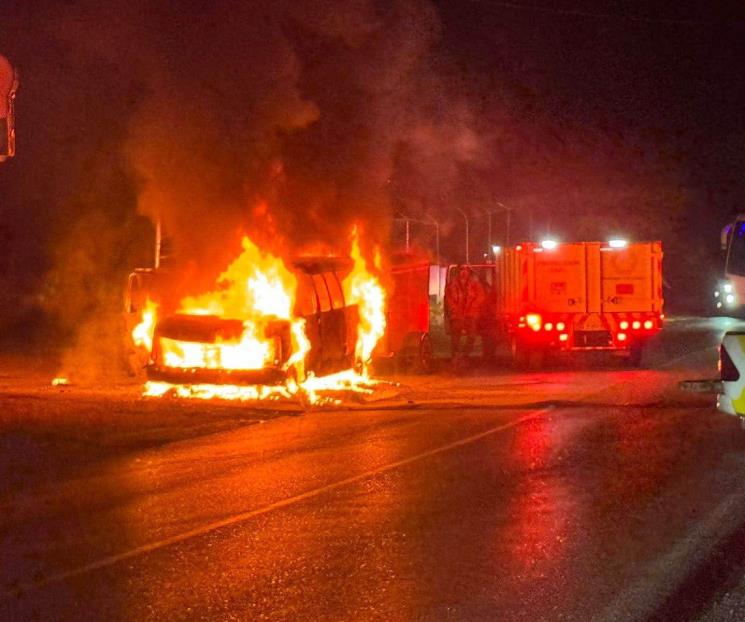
(593, 492)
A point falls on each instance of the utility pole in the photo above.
(508, 212)
(158, 241)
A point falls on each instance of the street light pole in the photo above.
(468, 242)
(508, 212)
(436, 225)
(488, 214)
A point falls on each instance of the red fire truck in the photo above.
(407, 338)
(553, 297)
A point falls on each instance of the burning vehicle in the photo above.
(265, 330)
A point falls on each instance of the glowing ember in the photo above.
(60, 381)
(222, 391)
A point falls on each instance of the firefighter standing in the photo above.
(464, 298)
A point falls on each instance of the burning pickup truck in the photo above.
(265, 328)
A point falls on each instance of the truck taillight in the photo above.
(648, 324)
(727, 369)
(534, 320)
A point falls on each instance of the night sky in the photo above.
(290, 120)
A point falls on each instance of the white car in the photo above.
(731, 387)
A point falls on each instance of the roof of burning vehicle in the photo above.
(317, 265)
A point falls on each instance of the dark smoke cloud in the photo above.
(279, 117)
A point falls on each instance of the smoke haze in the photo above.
(290, 121)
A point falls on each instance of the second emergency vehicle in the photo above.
(553, 297)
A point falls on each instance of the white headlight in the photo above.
(727, 287)
(730, 299)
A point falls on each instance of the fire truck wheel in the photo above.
(636, 354)
(425, 362)
(527, 358)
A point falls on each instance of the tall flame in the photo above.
(364, 289)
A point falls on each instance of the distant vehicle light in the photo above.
(648, 324)
(534, 320)
(496, 249)
(623, 324)
(560, 326)
(519, 247)
(636, 325)
(563, 337)
(549, 245)
(716, 294)
(719, 305)
(621, 336)
(727, 287)
(548, 326)
(730, 299)
(618, 243)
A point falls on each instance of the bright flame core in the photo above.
(257, 289)
(364, 289)
(142, 334)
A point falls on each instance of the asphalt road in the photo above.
(587, 492)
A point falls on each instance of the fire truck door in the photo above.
(560, 279)
(627, 278)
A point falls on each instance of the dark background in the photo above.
(292, 120)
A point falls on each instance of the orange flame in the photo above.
(142, 334)
(365, 290)
(258, 289)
